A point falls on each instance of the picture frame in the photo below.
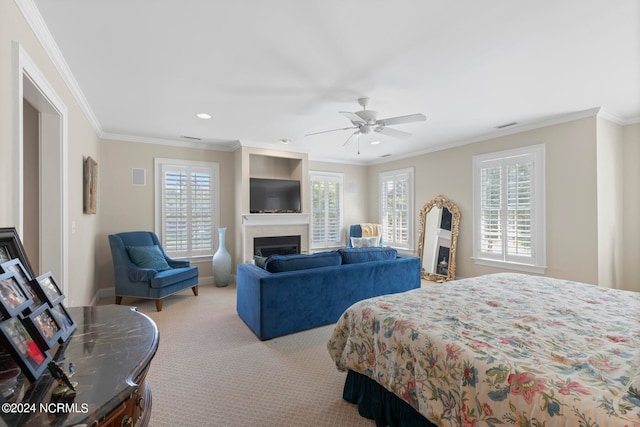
(90, 184)
(48, 289)
(25, 280)
(44, 327)
(11, 247)
(13, 297)
(26, 352)
(65, 321)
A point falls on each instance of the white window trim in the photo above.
(539, 210)
(215, 167)
(339, 177)
(411, 226)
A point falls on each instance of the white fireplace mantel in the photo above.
(275, 219)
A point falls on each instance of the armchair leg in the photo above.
(195, 290)
(158, 305)
(118, 299)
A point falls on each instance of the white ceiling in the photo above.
(280, 69)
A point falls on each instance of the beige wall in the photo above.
(631, 213)
(82, 141)
(571, 204)
(610, 202)
(128, 207)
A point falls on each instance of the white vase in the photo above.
(221, 261)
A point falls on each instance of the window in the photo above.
(396, 208)
(508, 209)
(187, 207)
(326, 209)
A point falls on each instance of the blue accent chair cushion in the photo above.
(281, 263)
(143, 274)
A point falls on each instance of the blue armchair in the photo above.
(142, 268)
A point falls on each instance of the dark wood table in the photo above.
(111, 351)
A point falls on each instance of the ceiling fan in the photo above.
(366, 121)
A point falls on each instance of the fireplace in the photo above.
(280, 245)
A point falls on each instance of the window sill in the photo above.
(527, 268)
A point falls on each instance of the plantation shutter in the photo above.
(187, 209)
(506, 226)
(326, 210)
(395, 199)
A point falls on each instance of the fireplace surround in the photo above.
(273, 225)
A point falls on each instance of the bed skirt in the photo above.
(378, 404)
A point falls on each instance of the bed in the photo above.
(500, 349)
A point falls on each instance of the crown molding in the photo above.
(217, 145)
(40, 29)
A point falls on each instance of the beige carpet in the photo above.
(211, 370)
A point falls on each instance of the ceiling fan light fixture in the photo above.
(203, 116)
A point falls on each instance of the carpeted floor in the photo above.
(211, 370)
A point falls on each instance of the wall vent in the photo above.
(506, 125)
(138, 176)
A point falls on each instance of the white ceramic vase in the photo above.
(221, 261)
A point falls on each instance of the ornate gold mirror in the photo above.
(439, 225)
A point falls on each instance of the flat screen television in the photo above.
(274, 195)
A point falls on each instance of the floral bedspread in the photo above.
(501, 349)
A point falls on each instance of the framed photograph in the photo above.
(31, 358)
(64, 320)
(11, 247)
(15, 266)
(44, 327)
(4, 254)
(13, 297)
(49, 290)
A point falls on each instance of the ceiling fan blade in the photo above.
(353, 117)
(393, 132)
(349, 139)
(402, 119)
(332, 130)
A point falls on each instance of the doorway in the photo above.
(41, 205)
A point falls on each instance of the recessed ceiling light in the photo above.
(375, 142)
(203, 116)
(284, 141)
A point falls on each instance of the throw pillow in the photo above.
(259, 260)
(364, 242)
(148, 257)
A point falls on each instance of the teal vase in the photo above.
(221, 261)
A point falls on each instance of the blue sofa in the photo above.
(297, 292)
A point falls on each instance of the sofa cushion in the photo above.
(281, 263)
(357, 255)
(172, 276)
(148, 257)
